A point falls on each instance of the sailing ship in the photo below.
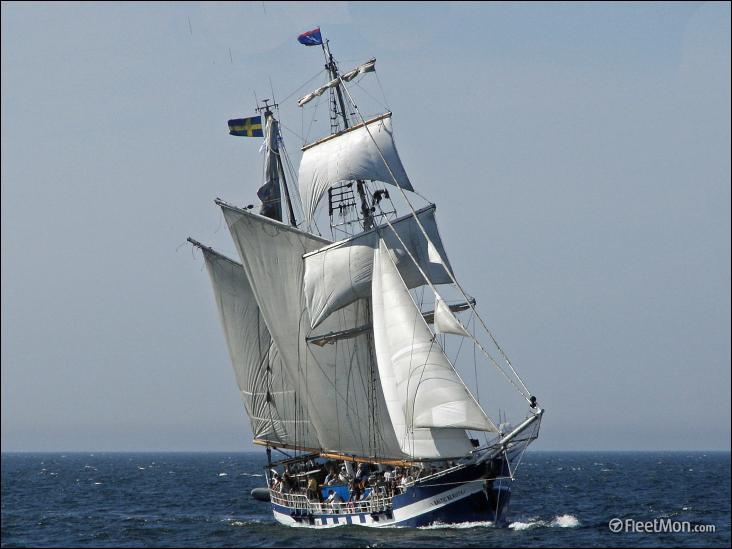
(342, 371)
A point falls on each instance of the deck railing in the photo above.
(376, 503)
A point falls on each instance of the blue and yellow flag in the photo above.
(246, 127)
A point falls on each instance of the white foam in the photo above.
(223, 474)
(561, 521)
(566, 521)
(518, 525)
(242, 522)
(458, 525)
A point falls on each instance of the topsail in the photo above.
(352, 154)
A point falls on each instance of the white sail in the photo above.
(270, 193)
(350, 155)
(271, 403)
(425, 385)
(342, 401)
(445, 321)
(341, 273)
(368, 66)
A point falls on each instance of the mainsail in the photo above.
(272, 404)
(343, 393)
(425, 390)
(339, 274)
(352, 154)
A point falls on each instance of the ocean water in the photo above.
(176, 500)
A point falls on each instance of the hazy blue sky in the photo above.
(579, 155)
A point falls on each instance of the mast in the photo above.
(267, 109)
(333, 69)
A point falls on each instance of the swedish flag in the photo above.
(246, 127)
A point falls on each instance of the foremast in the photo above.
(274, 170)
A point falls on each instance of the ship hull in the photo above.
(460, 497)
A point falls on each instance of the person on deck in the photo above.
(343, 476)
(360, 472)
(355, 489)
(276, 482)
(312, 492)
(331, 478)
(334, 499)
(288, 482)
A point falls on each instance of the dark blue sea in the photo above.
(184, 500)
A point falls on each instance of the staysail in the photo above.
(445, 321)
(352, 154)
(272, 404)
(339, 274)
(426, 391)
(344, 403)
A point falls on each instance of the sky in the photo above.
(579, 155)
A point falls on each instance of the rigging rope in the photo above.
(321, 71)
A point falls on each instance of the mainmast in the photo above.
(332, 68)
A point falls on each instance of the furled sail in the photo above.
(445, 321)
(427, 389)
(271, 402)
(344, 403)
(350, 155)
(368, 66)
(341, 273)
(270, 193)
